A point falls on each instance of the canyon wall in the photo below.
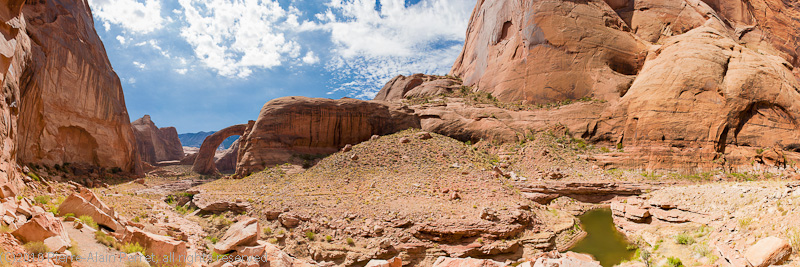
(13, 44)
(156, 144)
(688, 83)
(71, 104)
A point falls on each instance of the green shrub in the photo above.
(267, 230)
(88, 220)
(310, 235)
(43, 199)
(684, 239)
(350, 241)
(213, 240)
(129, 248)
(674, 262)
(36, 247)
(328, 238)
(74, 247)
(34, 176)
(106, 240)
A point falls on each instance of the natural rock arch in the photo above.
(204, 163)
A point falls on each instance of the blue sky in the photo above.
(202, 65)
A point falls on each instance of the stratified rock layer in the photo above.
(292, 126)
(156, 144)
(72, 106)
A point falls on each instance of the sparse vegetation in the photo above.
(674, 262)
(129, 248)
(89, 221)
(310, 235)
(684, 239)
(744, 223)
(350, 241)
(43, 199)
(36, 248)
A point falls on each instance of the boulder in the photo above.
(220, 206)
(299, 125)
(156, 144)
(393, 262)
(289, 220)
(252, 250)
(242, 233)
(80, 206)
(44, 227)
(159, 245)
(279, 258)
(768, 251)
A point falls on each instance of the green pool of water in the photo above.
(602, 241)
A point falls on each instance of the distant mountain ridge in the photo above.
(196, 139)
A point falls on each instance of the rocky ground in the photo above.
(423, 199)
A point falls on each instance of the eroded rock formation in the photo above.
(689, 84)
(291, 126)
(70, 101)
(417, 85)
(204, 161)
(545, 51)
(156, 144)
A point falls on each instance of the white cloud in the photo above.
(132, 80)
(181, 71)
(139, 64)
(139, 16)
(121, 39)
(363, 76)
(234, 36)
(372, 46)
(310, 58)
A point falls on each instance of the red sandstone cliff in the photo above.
(156, 144)
(65, 97)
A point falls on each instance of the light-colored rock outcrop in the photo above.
(465, 262)
(156, 144)
(79, 205)
(768, 251)
(242, 233)
(163, 247)
(71, 104)
(299, 125)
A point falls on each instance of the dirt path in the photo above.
(88, 247)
